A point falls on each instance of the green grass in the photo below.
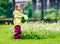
(6, 35)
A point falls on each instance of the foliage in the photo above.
(7, 33)
(1, 11)
(51, 10)
(6, 9)
(40, 31)
(28, 9)
(33, 31)
(58, 16)
(2, 16)
(39, 34)
(50, 14)
(37, 13)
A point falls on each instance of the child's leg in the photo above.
(17, 32)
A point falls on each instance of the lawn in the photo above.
(6, 34)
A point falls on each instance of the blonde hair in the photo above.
(18, 5)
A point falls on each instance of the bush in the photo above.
(8, 13)
(6, 9)
(37, 13)
(51, 10)
(58, 16)
(1, 11)
(28, 9)
(36, 30)
(50, 14)
(2, 16)
(39, 34)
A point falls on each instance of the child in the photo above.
(17, 21)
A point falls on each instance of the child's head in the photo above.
(18, 7)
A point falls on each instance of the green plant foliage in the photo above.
(58, 16)
(51, 10)
(50, 14)
(40, 31)
(39, 34)
(28, 9)
(1, 11)
(6, 9)
(2, 16)
(37, 13)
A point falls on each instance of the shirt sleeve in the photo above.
(17, 14)
(20, 14)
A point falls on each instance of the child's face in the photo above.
(19, 7)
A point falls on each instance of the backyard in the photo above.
(40, 24)
(49, 33)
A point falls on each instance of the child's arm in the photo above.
(21, 14)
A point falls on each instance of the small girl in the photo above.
(17, 21)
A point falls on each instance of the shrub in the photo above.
(58, 16)
(28, 9)
(40, 34)
(38, 30)
(37, 13)
(6, 9)
(1, 11)
(50, 14)
(51, 10)
(2, 16)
